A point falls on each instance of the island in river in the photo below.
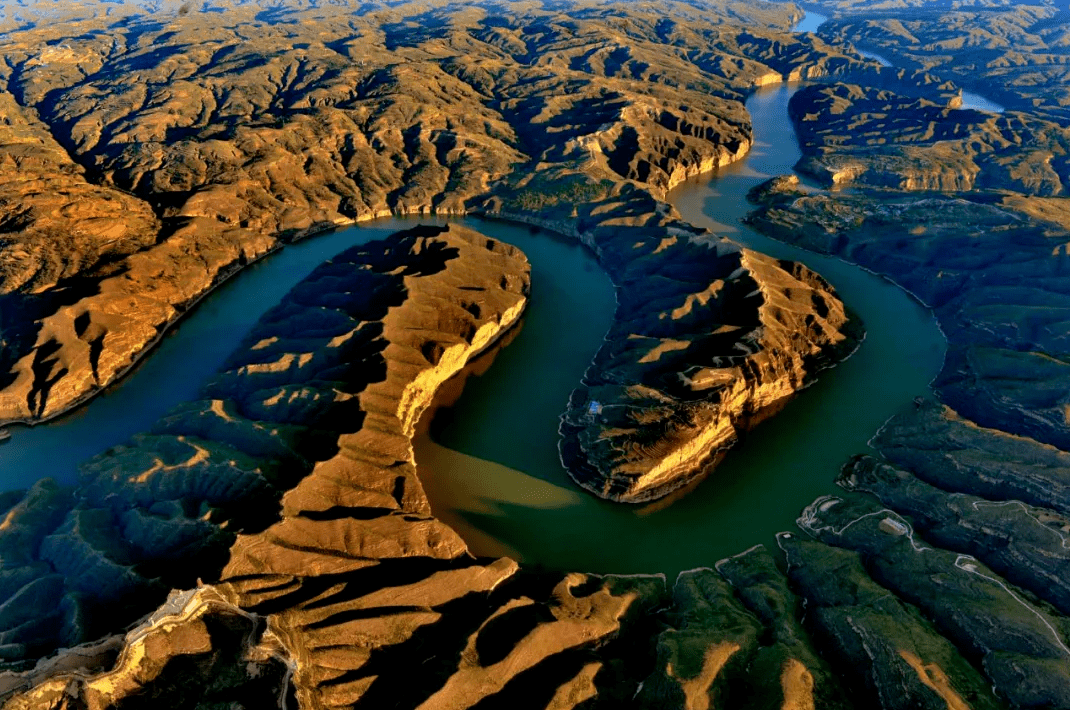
(157, 153)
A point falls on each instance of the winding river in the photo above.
(183, 361)
(490, 464)
(970, 100)
(813, 20)
(571, 289)
(489, 461)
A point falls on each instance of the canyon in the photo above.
(284, 506)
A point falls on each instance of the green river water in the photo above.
(490, 465)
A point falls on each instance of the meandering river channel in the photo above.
(491, 468)
(490, 461)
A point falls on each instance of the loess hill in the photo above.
(152, 156)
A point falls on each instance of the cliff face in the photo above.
(702, 349)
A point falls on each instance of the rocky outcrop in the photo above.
(701, 350)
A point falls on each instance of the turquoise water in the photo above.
(810, 22)
(506, 492)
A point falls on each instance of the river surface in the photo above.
(813, 20)
(970, 100)
(810, 22)
(491, 467)
(490, 463)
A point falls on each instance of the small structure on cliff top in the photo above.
(893, 527)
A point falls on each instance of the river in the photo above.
(970, 100)
(488, 466)
(813, 20)
(490, 462)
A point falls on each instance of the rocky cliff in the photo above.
(703, 347)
